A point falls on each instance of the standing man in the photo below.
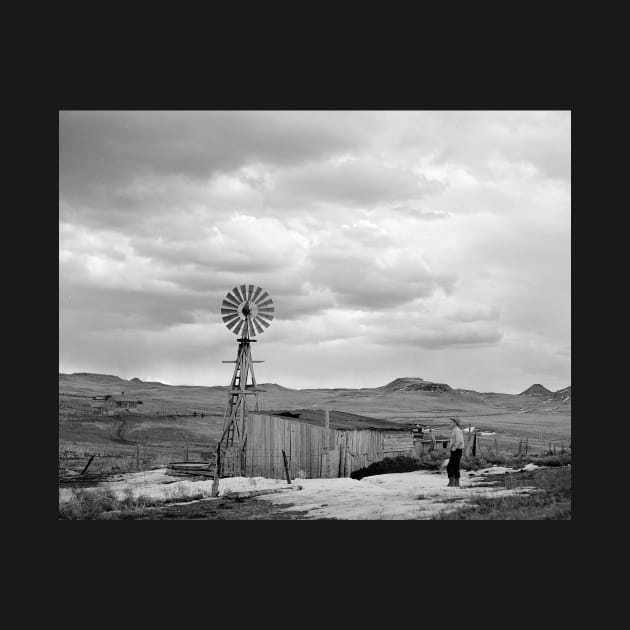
(457, 448)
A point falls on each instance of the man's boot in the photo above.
(450, 482)
(456, 482)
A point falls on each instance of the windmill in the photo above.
(247, 311)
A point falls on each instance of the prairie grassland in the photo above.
(551, 501)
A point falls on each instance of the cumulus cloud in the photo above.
(378, 235)
(98, 150)
(358, 181)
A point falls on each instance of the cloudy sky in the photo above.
(393, 243)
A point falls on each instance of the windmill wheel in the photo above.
(247, 309)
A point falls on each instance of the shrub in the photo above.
(389, 465)
(473, 463)
(553, 460)
(431, 460)
(85, 505)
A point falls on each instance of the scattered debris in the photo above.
(197, 469)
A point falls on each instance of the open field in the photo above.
(165, 427)
(550, 500)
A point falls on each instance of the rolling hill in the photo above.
(564, 393)
(537, 390)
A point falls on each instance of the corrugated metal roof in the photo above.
(339, 420)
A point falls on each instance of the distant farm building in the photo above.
(316, 444)
(428, 440)
(111, 404)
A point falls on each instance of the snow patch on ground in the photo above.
(156, 484)
(414, 495)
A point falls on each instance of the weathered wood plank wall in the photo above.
(315, 451)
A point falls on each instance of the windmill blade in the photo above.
(230, 318)
(265, 319)
(228, 311)
(268, 302)
(244, 292)
(267, 315)
(239, 297)
(230, 300)
(250, 290)
(250, 327)
(261, 298)
(238, 327)
(233, 323)
(269, 310)
(262, 322)
(258, 327)
(256, 294)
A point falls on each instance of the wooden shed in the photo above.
(317, 448)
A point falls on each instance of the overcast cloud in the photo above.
(429, 244)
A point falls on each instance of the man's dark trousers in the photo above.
(452, 468)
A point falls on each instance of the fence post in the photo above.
(87, 465)
(137, 456)
(215, 483)
(286, 466)
(526, 445)
(474, 446)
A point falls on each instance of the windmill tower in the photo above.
(247, 311)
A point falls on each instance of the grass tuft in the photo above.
(511, 460)
(94, 504)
